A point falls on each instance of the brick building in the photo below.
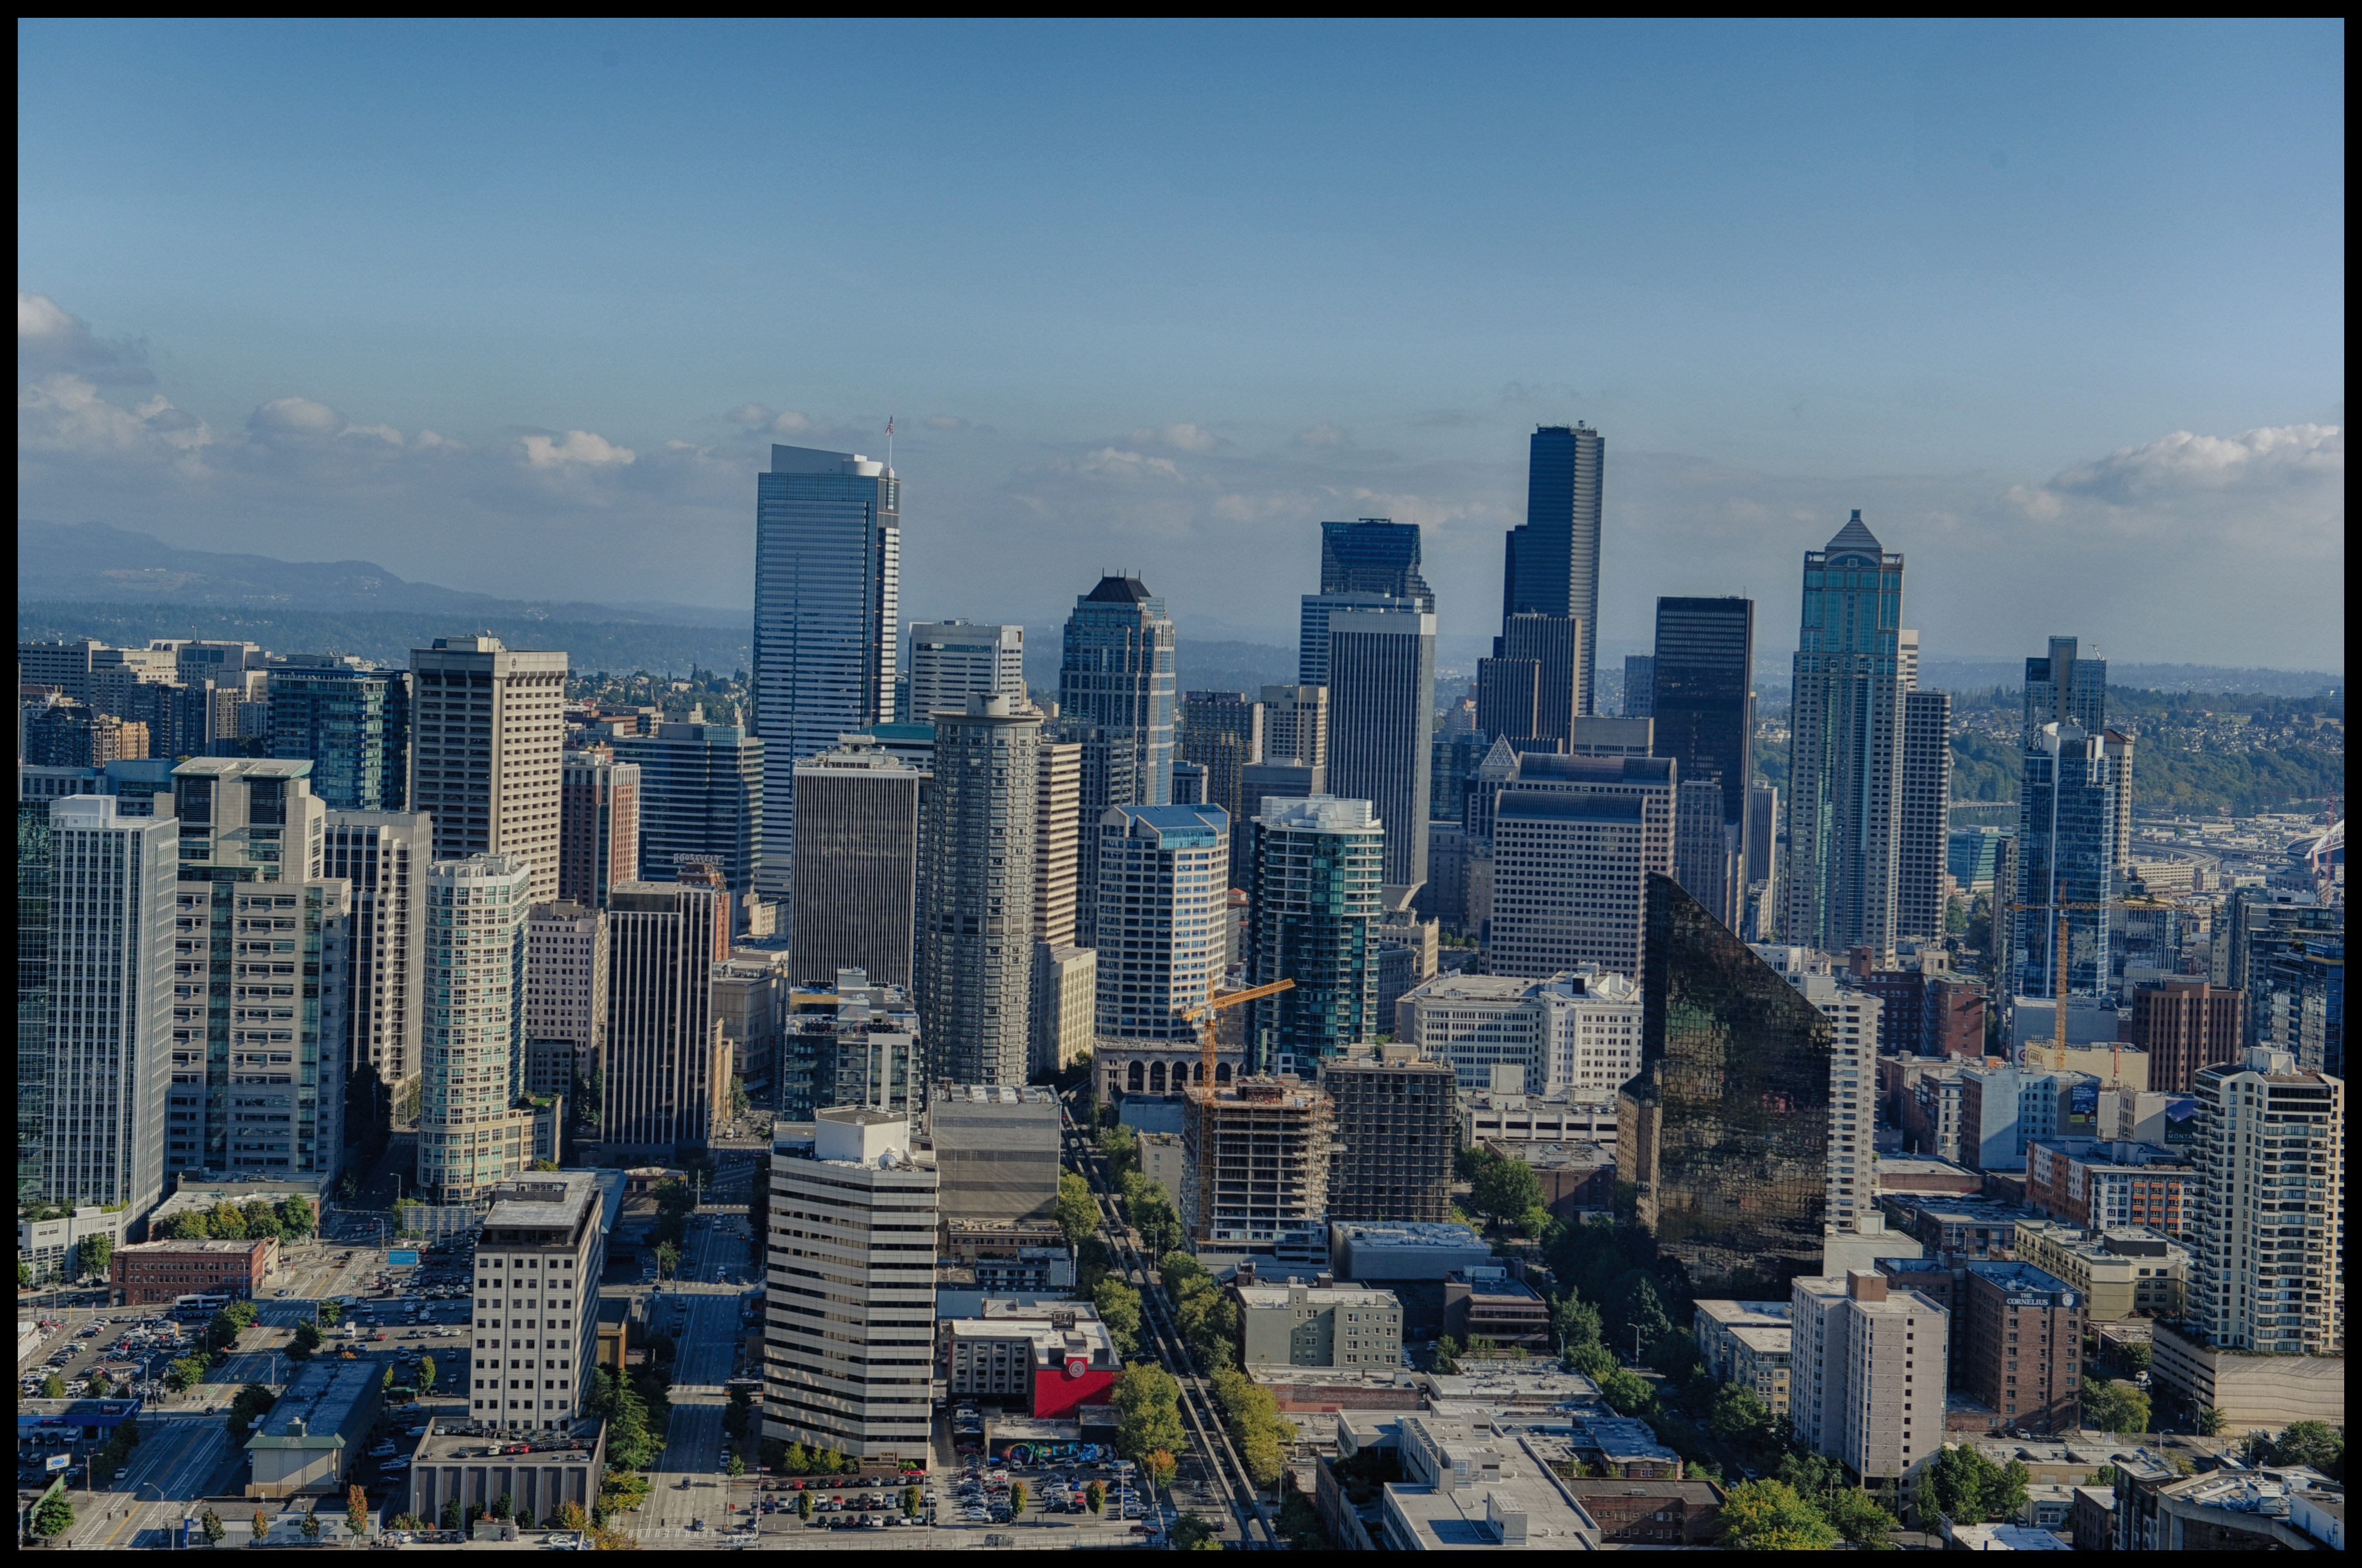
(1652, 1513)
(148, 1272)
(2096, 1186)
(2186, 1026)
(2025, 1331)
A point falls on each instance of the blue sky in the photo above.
(2059, 307)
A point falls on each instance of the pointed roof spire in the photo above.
(1854, 535)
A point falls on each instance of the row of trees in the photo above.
(1263, 1434)
(1209, 1320)
(257, 1219)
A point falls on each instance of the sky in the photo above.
(517, 307)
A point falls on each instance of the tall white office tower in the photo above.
(2270, 1270)
(668, 1065)
(472, 1133)
(565, 995)
(975, 960)
(384, 856)
(859, 833)
(490, 747)
(1295, 725)
(1064, 975)
(1845, 757)
(1574, 839)
(1315, 611)
(1924, 817)
(828, 563)
(848, 1345)
(951, 660)
(248, 823)
(1853, 1093)
(1164, 890)
(1381, 724)
(108, 1062)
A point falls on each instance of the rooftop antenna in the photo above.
(889, 445)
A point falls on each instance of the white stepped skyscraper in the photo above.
(828, 553)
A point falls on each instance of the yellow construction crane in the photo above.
(1206, 1081)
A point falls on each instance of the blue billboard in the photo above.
(408, 1259)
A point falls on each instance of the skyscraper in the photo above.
(828, 562)
(952, 659)
(1702, 680)
(597, 825)
(490, 738)
(1058, 838)
(702, 798)
(1845, 748)
(1576, 843)
(470, 1133)
(975, 960)
(1374, 555)
(1312, 628)
(354, 725)
(34, 848)
(1115, 699)
(1551, 566)
(1703, 862)
(2066, 855)
(1550, 647)
(1722, 1139)
(566, 987)
(2268, 1268)
(1639, 686)
(384, 857)
(858, 832)
(1164, 889)
(105, 1062)
(1222, 733)
(1381, 708)
(2066, 688)
(1923, 817)
(667, 1066)
(1313, 913)
(1295, 725)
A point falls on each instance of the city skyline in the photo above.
(1985, 410)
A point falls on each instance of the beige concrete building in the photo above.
(535, 1307)
(849, 1342)
(1058, 832)
(2135, 1273)
(1747, 1342)
(489, 737)
(1345, 1326)
(471, 1134)
(2270, 1271)
(1065, 996)
(1255, 1177)
(1868, 1382)
(566, 979)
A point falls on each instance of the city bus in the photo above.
(198, 1306)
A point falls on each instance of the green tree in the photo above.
(1118, 1308)
(95, 1251)
(1859, 1518)
(804, 1506)
(794, 1462)
(2211, 1421)
(1191, 1533)
(184, 1374)
(1504, 1190)
(306, 1340)
(2115, 1407)
(913, 1500)
(356, 1512)
(1636, 1307)
(2316, 1443)
(311, 1526)
(211, 1524)
(738, 1414)
(1814, 1477)
(53, 1516)
(1968, 1489)
(1740, 1415)
(247, 1405)
(503, 1507)
(1095, 1495)
(1768, 1516)
(1627, 1392)
(1160, 1466)
(331, 1312)
(387, 1382)
(1673, 1354)
(1593, 1361)
(426, 1375)
(1016, 1499)
(449, 1517)
(262, 1525)
(1122, 1150)
(1148, 1406)
(1078, 1213)
(737, 1467)
(1575, 1322)
(2137, 1356)
(295, 1216)
(24, 1275)
(1447, 1355)
(54, 1387)
(667, 1260)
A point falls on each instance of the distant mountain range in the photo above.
(94, 563)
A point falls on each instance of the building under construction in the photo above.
(1255, 1169)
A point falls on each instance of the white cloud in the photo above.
(771, 421)
(298, 417)
(2274, 455)
(947, 422)
(65, 416)
(1183, 437)
(51, 339)
(578, 449)
(1116, 463)
(1324, 434)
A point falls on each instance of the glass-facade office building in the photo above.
(1552, 564)
(1722, 1151)
(1703, 700)
(352, 725)
(2066, 855)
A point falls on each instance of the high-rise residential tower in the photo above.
(667, 1066)
(2268, 1273)
(1845, 748)
(490, 738)
(354, 725)
(1373, 554)
(34, 843)
(1575, 841)
(2066, 687)
(951, 660)
(1163, 887)
(384, 857)
(1313, 913)
(828, 563)
(1295, 725)
(859, 833)
(1923, 817)
(1222, 733)
(1380, 718)
(1552, 566)
(470, 1133)
(1703, 704)
(975, 958)
(597, 825)
(107, 1056)
(1115, 699)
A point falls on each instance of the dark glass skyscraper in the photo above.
(1705, 708)
(1115, 699)
(1722, 1138)
(1552, 563)
(1373, 554)
(353, 726)
(2066, 855)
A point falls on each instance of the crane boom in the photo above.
(1206, 1012)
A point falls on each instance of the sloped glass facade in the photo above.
(1723, 1136)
